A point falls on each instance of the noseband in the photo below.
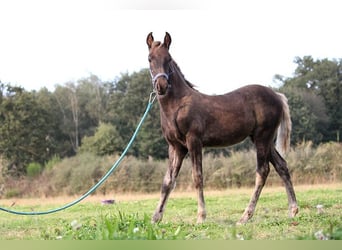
(155, 78)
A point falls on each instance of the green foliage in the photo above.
(105, 141)
(33, 169)
(12, 193)
(26, 130)
(37, 126)
(52, 162)
(122, 226)
(81, 105)
(314, 94)
(308, 115)
(127, 104)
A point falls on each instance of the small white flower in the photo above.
(239, 237)
(135, 230)
(319, 208)
(320, 236)
(75, 225)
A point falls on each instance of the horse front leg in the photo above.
(198, 180)
(176, 156)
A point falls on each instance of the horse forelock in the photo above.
(156, 44)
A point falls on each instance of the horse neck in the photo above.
(180, 87)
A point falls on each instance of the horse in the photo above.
(191, 120)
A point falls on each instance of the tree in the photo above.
(330, 89)
(150, 139)
(105, 141)
(308, 123)
(92, 95)
(67, 102)
(82, 105)
(25, 129)
(128, 101)
(58, 137)
(319, 85)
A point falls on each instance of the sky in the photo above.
(219, 45)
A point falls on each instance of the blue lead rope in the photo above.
(103, 179)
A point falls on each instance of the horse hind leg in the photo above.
(262, 172)
(195, 150)
(280, 166)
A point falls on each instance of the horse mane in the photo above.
(176, 67)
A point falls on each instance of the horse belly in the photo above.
(224, 140)
(227, 132)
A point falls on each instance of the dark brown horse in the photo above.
(191, 120)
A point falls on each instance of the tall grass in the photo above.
(74, 176)
(312, 165)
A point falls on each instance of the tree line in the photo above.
(314, 93)
(91, 115)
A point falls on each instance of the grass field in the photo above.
(129, 217)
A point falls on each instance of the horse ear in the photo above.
(149, 40)
(167, 40)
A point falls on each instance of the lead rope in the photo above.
(103, 179)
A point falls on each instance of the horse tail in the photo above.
(284, 129)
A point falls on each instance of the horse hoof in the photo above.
(244, 218)
(200, 220)
(241, 222)
(201, 216)
(293, 211)
(157, 217)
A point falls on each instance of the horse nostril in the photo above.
(161, 86)
(160, 82)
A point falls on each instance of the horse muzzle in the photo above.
(161, 83)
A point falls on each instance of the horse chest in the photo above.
(171, 131)
(174, 126)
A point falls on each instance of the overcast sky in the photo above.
(219, 45)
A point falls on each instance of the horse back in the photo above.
(222, 120)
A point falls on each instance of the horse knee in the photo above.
(168, 184)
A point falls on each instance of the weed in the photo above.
(33, 170)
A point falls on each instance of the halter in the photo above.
(155, 78)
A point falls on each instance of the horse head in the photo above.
(159, 59)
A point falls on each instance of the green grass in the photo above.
(131, 219)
